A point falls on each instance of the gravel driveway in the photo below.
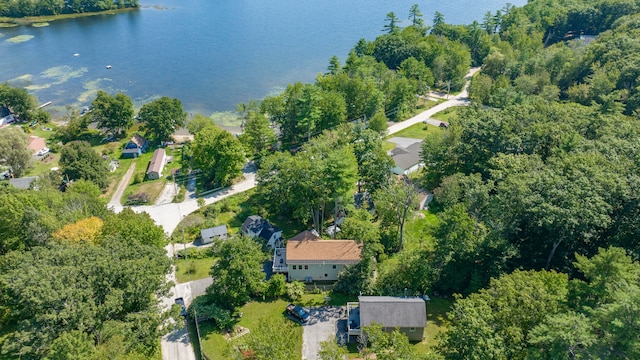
(322, 326)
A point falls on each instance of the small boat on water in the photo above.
(76, 54)
(108, 66)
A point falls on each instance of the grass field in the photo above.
(192, 269)
(447, 114)
(418, 131)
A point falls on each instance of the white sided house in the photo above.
(257, 227)
(157, 164)
(210, 234)
(309, 258)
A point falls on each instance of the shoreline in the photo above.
(30, 20)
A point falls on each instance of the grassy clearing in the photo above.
(417, 131)
(216, 347)
(44, 165)
(192, 269)
(418, 232)
(447, 114)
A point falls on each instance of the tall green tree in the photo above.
(162, 117)
(78, 160)
(13, 147)
(395, 203)
(114, 113)
(415, 15)
(218, 154)
(18, 100)
(132, 227)
(238, 275)
(391, 23)
(258, 136)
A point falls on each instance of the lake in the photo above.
(211, 55)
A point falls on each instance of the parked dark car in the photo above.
(298, 312)
(183, 309)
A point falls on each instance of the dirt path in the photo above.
(115, 199)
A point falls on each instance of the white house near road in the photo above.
(257, 227)
(309, 258)
(218, 232)
(157, 164)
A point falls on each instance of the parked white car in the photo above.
(42, 152)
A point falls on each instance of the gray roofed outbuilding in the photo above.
(390, 311)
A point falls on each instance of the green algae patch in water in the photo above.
(63, 73)
(226, 119)
(92, 88)
(7, 25)
(19, 39)
(42, 24)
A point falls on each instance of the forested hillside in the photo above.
(21, 8)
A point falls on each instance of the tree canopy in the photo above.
(13, 147)
(162, 117)
(114, 113)
(78, 160)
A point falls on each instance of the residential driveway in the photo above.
(168, 193)
(176, 346)
(115, 199)
(322, 326)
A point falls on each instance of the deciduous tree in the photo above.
(79, 161)
(238, 275)
(13, 147)
(162, 117)
(218, 154)
(114, 113)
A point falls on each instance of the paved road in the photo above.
(461, 99)
(177, 346)
(115, 199)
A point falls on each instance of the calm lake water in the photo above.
(209, 54)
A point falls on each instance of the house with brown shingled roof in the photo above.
(308, 258)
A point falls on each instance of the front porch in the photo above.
(280, 260)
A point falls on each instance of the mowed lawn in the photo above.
(216, 347)
(192, 269)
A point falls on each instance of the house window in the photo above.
(294, 267)
(334, 266)
(412, 329)
(306, 267)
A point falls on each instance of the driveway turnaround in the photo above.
(322, 326)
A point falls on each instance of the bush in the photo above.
(200, 202)
(212, 211)
(276, 286)
(138, 199)
(295, 290)
(180, 195)
(195, 253)
(138, 178)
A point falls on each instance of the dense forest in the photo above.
(22, 8)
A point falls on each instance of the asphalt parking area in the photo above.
(322, 326)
